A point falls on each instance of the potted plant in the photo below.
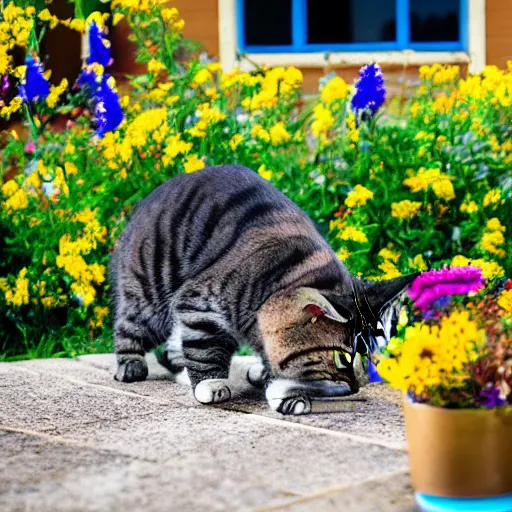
(453, 361)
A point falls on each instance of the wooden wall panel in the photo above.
(499, 32)
(201, 22)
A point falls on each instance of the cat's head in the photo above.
(314, 335)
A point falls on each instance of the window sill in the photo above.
(352, 59)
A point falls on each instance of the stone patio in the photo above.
(73, 439)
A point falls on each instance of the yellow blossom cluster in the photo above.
(276, 84)
(18, 295)
(72, 252)
(432, 356)
(100, 313)
(193, 163)
(279, 134)
(207, 116)
(323, 121)
(174, 147)
(505, 302)
(56, 92)
(334, 90)
(235, 141)
(490, 269)
(441, 183)
(358, 197)
(16, 197)
(405, 209)
(265, 173)
(493, 237)
(354, 234)
(439, 74)
(388, 254)
(493, 197)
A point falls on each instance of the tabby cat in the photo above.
(220, 257)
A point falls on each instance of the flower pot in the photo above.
(459, 453)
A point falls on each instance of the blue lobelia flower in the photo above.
(99, 46)
(108, 111)
(370, 91)
(34, 86)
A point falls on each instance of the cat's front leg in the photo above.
(296, 397)
(207, 349)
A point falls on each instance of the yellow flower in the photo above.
(405, 209)
(390, 270)
(117, 18)
(358, 197)
(440, 183)
(17, 201)
(492, 197)
(491, 240)
(10, 188)
(415, 108)
(354, 234)
(70, 168)
(490, 269)
(323, 121)
(100, 313)
(418, 263)
(155, 66)
(444, 189)
(18, 295)
(343, 254)
(334, 90)
(278, 134)
(258, 132)
(56, 92)
(175, 146)
(193, 163)
(201, 77)
(265, 173)
(469, 207)
(235, 141)
(433, 356)
(388, 254)
(505, 301)
(494, 224)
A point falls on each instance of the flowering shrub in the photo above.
(425, 187)
(457, 350)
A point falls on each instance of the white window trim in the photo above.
(475, 56)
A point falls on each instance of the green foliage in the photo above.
(447, 151)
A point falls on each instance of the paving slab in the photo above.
(74, 439)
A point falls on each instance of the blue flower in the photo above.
(34, 86)
(99, 46)
(370, 91)
(109, 114)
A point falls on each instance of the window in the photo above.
(287, 26)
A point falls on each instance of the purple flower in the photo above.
(34, 86)
(99, 46)
(490, 396)
(437, 284)
(109, 114)
(370, 91)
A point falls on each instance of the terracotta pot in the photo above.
(459, 452)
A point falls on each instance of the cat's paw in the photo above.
(131, 368)
(258, 375)
(212, 391)
(287, 397)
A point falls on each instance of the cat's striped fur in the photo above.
(219, 257)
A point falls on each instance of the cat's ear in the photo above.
(317, 305)
(381, 293)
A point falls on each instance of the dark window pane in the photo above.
(435, 20)
(351, 21)
(268, 22)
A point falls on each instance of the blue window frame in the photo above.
(292, 27)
